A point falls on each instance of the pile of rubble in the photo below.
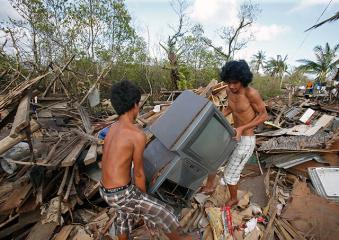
(46, 141)
(289, 187)
(50, 148)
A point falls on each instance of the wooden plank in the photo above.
(282, 230)
(154, 117)
(57, 76)
(41, 99)
(24, 220)
(16, 199)
(102, 75)
(21, 119)
(72, 157)
(278, 234)
(295, 234)
(216, 90)
(84, 118)
(64, 232)
(5, 113)
(16, 92)
(277, 120)
(91, 156)
(45, 113)
(10, 219)
(64, 150)
(147, 114)
(143, 100)
(31, 204)
(70, 184)
(208, 89)
(42, 231)
(51, 153)
(63, 182)
(9, 142)
(270, 228)
(82, 235)
(91, 189)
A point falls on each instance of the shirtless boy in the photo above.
(248, 110)
(124, 145)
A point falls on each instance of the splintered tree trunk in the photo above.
(281, 82)
(91, 27)
(35, 50)
(175, 77)
(174, 74)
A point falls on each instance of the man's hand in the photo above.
(238, 133)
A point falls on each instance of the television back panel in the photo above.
(170, 126)
(156, 157)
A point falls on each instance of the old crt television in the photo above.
(192, 139)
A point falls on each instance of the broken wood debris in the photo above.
(66, 143)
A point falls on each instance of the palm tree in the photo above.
(335, 17)
(258, 60)
(277, 67)
(326, 62)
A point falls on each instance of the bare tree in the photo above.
(15, 46)
(235, 37)
(172, 49)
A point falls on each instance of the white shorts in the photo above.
(238, 159)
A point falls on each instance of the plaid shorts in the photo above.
(131, 204)
(238, 159)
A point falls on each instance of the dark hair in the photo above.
(235, 71)
(124, 95)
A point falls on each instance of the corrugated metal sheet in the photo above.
(289, 160)
(326, 181)
(291, 113)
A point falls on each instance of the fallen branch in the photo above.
(57, 76)
(101, 76)
(70, 183)
(8, 142)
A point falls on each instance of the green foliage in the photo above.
(277, 67)
(267, 86)
(258, 60)
(199, 63)
(184, 82)
(297, 78)
(101, 30)
(326, 62)
(101, 33)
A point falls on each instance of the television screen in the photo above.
(210, 144)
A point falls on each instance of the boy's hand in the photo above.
(238, 133)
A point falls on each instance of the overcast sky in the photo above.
(278, 30)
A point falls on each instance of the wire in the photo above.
(308, 33)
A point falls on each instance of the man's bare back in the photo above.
(120, 144)
(124, 145)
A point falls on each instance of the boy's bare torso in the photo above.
(120, 143)
(242, 109)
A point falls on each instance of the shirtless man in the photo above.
(124, 145)
(248, 110)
